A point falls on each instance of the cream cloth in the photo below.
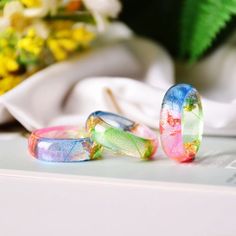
(130, 77)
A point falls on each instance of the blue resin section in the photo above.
(176, 95)
(114, 120)
(64, 150)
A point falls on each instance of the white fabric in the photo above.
(137, 72)
(215, 78)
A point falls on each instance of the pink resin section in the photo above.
(171, 136)
(56, 132)
(144, 132)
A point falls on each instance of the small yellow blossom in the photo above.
(8, 54)
(31, 43)
(9, 82)
(58, 52)
(67, 44)
(31, 3)
(189, 107)
(7, 38)
(63, 41)
(191, 104)
(33, 37)
(8, 64)
(83, 36)
(192, 147)
(63, 33)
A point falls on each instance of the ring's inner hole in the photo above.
(117, 121)
(63, 132)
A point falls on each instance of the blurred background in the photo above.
(174, 22)
(50, 51)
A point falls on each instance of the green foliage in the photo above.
(3, 3)
(85, 17)
(201, 21)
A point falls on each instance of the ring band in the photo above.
(62, 144)
(122, 135)
(181, 123)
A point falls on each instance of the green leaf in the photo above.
(3, 3)
(77, 16)
(201, 21)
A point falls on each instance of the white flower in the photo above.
(14, 8)
(11, 8)
(107, 8)
(46, 6)
(41, 28)
(101, 9)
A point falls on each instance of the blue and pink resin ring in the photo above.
(63, 144)
(181, 123)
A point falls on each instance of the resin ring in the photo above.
(62, 144)
(122, 135)
(181, 123)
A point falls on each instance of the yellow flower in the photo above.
(65, 40)
(31, 43)
(189, 107)
(31, 3)
(192, 147)
(8, 54)
(82, 36)
(8, 40)
(8, 64)
(58, 52)
(63, 33)
(9, 82)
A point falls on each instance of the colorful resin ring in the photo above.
(62, 144)
(122, 135)
(181, 123)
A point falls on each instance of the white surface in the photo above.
(118, 196)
